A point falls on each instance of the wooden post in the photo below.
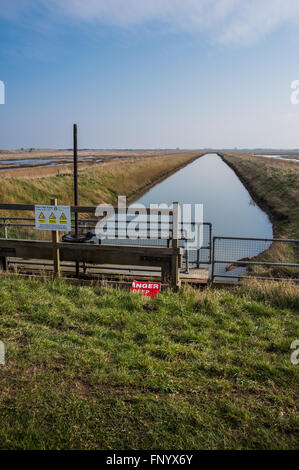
(166, 272)
(55, 240)
(3, 259)
(175, 273)
(3, 263)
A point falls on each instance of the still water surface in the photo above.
(279, 157)
(226, 202)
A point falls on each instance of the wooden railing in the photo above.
(166, 258)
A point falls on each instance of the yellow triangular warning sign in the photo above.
(52, 219)
(63, 219)
(41, 218)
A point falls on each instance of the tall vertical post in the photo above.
(55, 240)
(76, 187)
(76, 177)
(175, 274)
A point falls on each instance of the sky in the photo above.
(149, 74)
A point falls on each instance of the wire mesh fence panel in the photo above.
(24, 228)
(202, 255)
(20, 228)
(160, 236)
(235, 258)
(140, 233)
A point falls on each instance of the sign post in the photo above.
(55, 240)
(53, 217)
(56, 219)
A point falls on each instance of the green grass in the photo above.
(95, 368)
(275, 185)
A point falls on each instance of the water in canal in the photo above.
(280, 157)
(26, 163)
(226, 203)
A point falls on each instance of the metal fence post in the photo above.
(75, 138)
(213, 260)
(5, 228)
(197, 227)
(187, 259)
(84, 263)
(210, 241)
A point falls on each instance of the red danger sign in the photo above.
(150, 289)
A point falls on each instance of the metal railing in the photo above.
(230, 258)
(236, 258)
(192, 257)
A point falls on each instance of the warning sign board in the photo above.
(63, 219)
(150, 289)
(41, 218)
(53, 218)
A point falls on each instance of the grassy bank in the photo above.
(101, 183)
(94, 368)
(274, 185)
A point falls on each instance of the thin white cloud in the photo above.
(224, 21)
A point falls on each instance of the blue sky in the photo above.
(139, 74)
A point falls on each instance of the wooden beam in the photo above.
(165, 258)
(121, 254)
(17, 207)
(146, 250)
